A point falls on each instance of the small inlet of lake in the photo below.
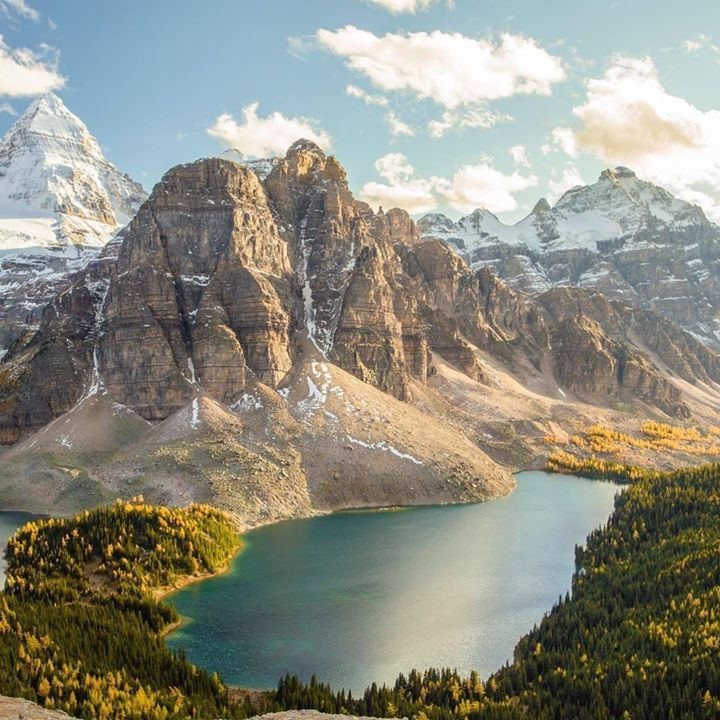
(10, 522)
(359, 597)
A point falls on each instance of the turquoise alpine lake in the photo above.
(359, 597)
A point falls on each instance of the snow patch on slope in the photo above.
(384, 446)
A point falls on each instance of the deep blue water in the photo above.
(359, 597)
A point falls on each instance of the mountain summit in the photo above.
(50, 161)
(60, 202)
(276, 348)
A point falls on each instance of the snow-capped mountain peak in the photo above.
(618, 205)
(621, 197)
(48, 116)
(50, 162)
(61, 201)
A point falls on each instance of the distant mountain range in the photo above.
(623, 236)
(257, 338)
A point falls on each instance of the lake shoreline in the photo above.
(244, 527)
(163, 594)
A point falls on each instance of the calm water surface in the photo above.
(360, 597)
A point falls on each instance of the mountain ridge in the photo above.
(279, 349)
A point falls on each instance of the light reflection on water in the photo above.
(360, 597)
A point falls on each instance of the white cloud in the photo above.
(19, 7)
(472, 186)
(629, 118)
(560, 183)
(401, 189)
(394, 167)
(473, 117)
(258, 137)
(7, 109)
(24, 73)
(397, 126)
(561, 139)
(299, 47)
(701, 42)
(366, 97)
(449, 68)
(482, 185)
(519, 155)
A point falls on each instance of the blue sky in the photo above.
(571, 86)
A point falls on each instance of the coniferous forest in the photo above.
(638, 637)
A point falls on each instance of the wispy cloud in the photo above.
(397, 126)
(24, 72)
(701, 42)
(561, 139)
(562, 181)
(519, 155)
(406, 6)
(7, 109)
(19, 8)
(300, 46)
(478, 116)
(366, 97)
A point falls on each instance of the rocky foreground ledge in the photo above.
(20, 709)
(308, 715)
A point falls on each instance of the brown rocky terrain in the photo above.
(276, 347)
(19, 709)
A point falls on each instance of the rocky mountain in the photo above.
(60, 203)
(270, 344)
(623, 236)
